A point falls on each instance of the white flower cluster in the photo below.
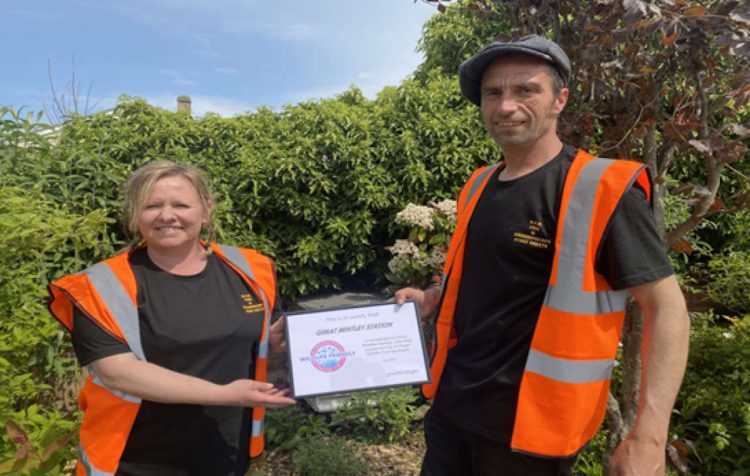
(437, 257)
(447, 208)
(411, 263)
(404, 248)
(416, 215)
(404, 252)
(397, 264)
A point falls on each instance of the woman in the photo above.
(175, 333)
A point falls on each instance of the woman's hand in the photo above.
(124, 372)
(251, 393)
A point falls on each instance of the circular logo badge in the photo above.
(328, 356)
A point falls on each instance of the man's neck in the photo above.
(522, 160)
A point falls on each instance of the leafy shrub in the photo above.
(286, 428)
(43, 453)
(711, 419)
(712, 411)
(373, 417)
(327, 456)
(38, 372)
(729, 280)
(589, 462)
(379, 416)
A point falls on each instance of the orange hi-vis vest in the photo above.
(565, 382)
(106, 293)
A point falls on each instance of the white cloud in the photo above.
(222, 106)
(320, 92)
(203, 45)
(176, 77)
(227, 71)
(37, 15)
(296, 32)
(369, 82)
(272, 29)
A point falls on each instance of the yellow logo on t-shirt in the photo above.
(249, 307)
(532, 238)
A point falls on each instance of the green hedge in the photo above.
(39, 376)
(712, 413)
(315, 185)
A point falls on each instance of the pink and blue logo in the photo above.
(329, 356)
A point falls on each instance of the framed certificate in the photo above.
(355, 348)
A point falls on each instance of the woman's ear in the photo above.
(207, 213)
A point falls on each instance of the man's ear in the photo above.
(561, 100)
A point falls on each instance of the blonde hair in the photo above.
(137, 189)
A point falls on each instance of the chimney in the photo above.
(183, 104)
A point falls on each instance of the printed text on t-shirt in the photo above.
(532, 238)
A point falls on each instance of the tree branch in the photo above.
(615, 426)
(705, 195)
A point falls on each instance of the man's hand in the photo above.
(276, 337)
(638, 458)
(427, 300)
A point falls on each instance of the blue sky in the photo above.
(230, 56)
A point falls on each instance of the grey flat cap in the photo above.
(470, 72)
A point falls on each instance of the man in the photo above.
(529, 314)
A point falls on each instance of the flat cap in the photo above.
(470, 72)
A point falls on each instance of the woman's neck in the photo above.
(179, 262)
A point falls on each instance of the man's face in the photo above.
(518, 105)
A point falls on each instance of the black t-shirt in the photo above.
(507, 265)
(207, 326)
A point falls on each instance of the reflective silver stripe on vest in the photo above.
(567, 295)
(90, 470)
(98, 381)
(235, 256)
(257, 428)
(478, 182)
(581, 302)
(263, 346)
(118, 303)
(569, 371)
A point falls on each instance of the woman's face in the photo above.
(171, 218)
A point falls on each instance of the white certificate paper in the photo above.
(355, 348)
